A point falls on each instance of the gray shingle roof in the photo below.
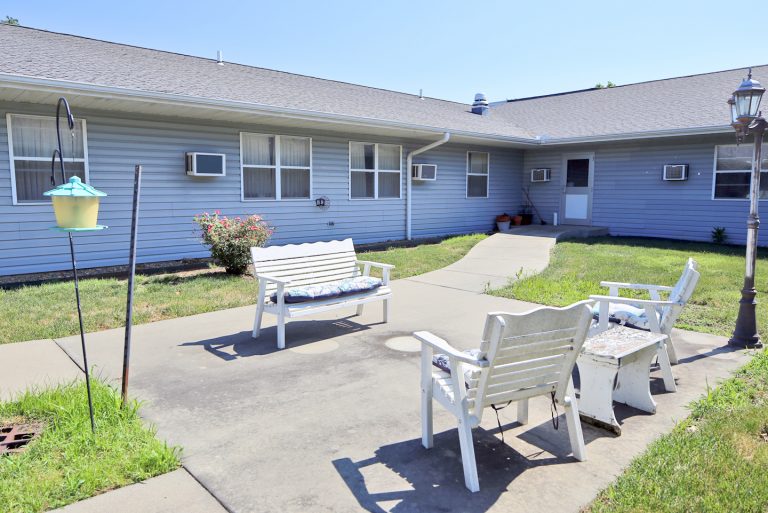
(37, 53)
(690, 102)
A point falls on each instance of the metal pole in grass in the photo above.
(76, 206)
(131, 275)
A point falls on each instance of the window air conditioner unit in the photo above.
(206, 164)
(675, 172)
(424, 172)
(541, 175)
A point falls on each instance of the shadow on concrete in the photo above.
(433, 480)
(297, 334)
(715, 351)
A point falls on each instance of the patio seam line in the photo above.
(442, 286)
(77, 364)
(446, 269)
(205, 487)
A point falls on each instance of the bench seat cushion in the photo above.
(626, 315)
(330, 290)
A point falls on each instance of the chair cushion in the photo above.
(442, 362)
(626, 315)
(329, 290)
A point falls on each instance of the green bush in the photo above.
(230, 240)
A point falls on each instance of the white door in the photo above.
(576, 206)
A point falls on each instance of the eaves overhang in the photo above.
(64, 87)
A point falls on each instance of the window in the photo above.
(477, 174)
(275, 167)
(374, 170)
(32, 140)
(733, 170)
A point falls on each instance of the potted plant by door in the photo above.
(502, 222)
(518, 220)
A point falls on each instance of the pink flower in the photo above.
(218, 212)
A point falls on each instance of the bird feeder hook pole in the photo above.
(58, 152)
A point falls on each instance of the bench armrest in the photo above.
(385, 268)
(633, 301)
(375, 264)
(273, 279)
(442, 346)
(635, 286)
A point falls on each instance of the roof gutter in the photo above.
(409, 178)
(650, 134)
(56, 86)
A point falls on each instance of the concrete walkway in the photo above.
(331, 424)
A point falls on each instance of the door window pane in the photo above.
(389, 185)
(577, 173)
(363, 184)
(259, 183)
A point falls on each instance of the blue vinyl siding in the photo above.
(170, 198)
(630, 197)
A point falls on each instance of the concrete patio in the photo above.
(331, 424)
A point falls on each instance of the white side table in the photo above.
(615, 365)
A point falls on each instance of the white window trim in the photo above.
(715, 172)
(12, 158)
(375, 171)
(487, 182)
(278, 167)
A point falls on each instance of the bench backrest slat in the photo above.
(307, 264)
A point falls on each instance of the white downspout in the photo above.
(409, 179)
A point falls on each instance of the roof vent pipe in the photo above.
(480, 106)
(219, 58)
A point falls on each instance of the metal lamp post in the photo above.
(747, 119)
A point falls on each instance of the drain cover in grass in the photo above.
(14, 438)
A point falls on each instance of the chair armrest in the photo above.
(635, 286)
(441, 345)
(273, 279)
(633, 301)
(375, 264)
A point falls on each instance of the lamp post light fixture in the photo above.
(747, 119)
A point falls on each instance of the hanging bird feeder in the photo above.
(76, 206)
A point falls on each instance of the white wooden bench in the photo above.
(281, 267)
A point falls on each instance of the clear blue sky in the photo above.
(450, 49)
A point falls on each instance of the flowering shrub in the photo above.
(230, 240)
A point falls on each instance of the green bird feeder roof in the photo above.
(75, 188)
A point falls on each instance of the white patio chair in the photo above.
(520, 356)
(655, 315)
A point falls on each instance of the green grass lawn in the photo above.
(48, 310)
(67, 463)
(716, 460)
(577, 267)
